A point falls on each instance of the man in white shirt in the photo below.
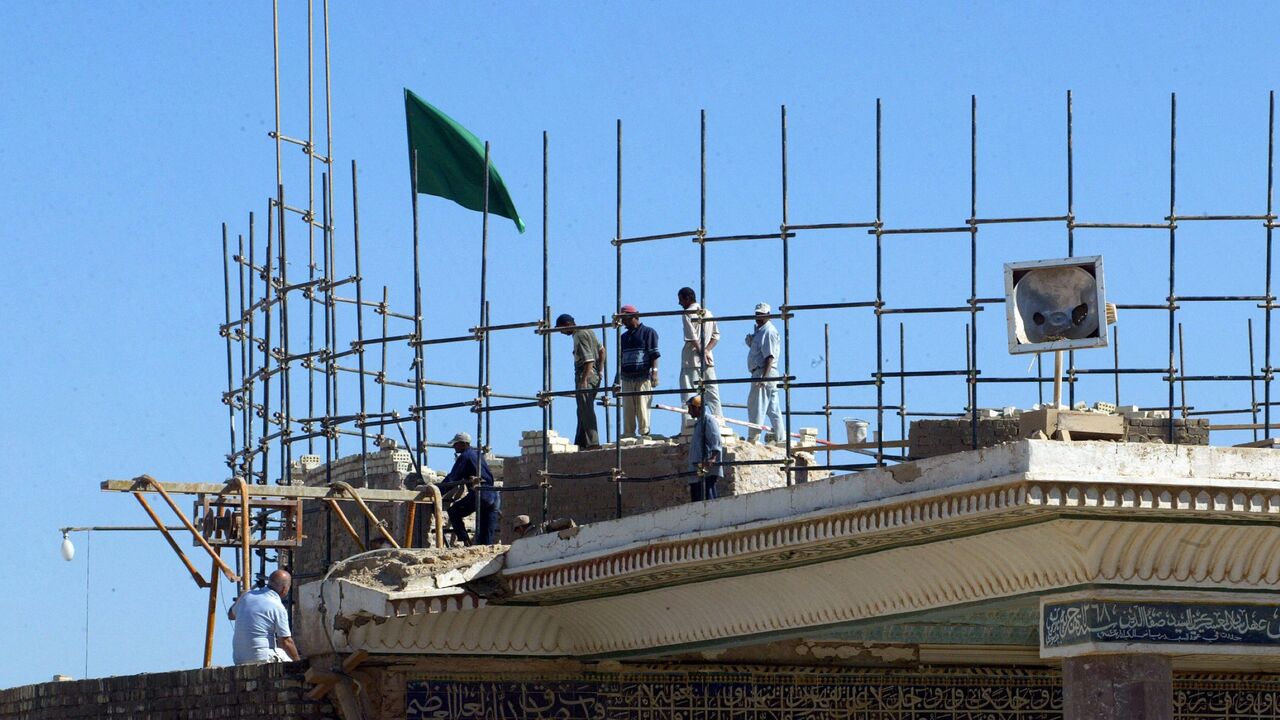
(262, 625)
(762, 360)
(696, 361)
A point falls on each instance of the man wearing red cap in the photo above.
(638, 370)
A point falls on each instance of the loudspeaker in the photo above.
(1055, 305)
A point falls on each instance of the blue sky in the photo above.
(129, 132)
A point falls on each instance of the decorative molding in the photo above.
(875, 526)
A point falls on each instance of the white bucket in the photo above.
(856, 429)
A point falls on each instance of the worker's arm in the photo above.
(231, 611)
(654, 354)
(286, 644)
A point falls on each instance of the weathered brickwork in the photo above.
(589, 500)
(387, 470)
(930, 438)
(275, 691)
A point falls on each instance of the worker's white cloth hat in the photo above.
(461, 437)
(762, 309)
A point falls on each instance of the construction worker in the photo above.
(696, 361)
(470, 469)
(762, 360)
(638, 371)
(588, 366)
(523, 527)
(262, 625)
(705, 449)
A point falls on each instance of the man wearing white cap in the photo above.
(762, 360)
(470, 468)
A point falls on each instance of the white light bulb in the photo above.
(68, 550)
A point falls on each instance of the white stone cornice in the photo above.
(878, 525)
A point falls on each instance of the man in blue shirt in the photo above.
(638, 371)
(262, 625)
(762, 361)
(705, 449)
(471, 469)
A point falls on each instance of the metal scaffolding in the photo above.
(261, 345)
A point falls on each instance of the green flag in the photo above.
(451, 161)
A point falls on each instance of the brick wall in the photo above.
(273, 690)
(386, 470)
(590, 500)
(930, 438)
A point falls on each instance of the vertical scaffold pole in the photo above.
(231, 392)
(1271, 221)
(702, 253)
(266, 347)
(310, 217)
(355, 234)
(604, 397)
(246, 407)
(546, 337)
(973, 269)
(879, 318)
(1173, 247)
(382, 370)
(331, 350)
(1071, 244)
(286, 428)
(786, 313)
(286, 422)
(617, 329)
(249, 452)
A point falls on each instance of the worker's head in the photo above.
(461, 442)
(695, 406)
(565, 321)
(686, 297)
(521, 525)
(762, 313)
(280, 581)
(378, 542)
(630, 317)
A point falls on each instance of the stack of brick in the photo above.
(1156, 429)
(383, 464)
(531, 443)
(930, 438)
(269, 690)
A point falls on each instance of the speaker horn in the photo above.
(1055, 305)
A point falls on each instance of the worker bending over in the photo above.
(705, 449)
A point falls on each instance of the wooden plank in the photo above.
(274, 491)
(1078, 425)
(1240, 426)
(1266, 442)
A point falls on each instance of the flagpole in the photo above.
(482, 392)
(419, 392)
